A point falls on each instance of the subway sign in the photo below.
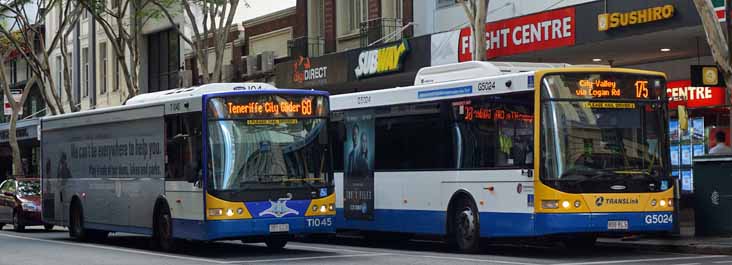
(383, 60)
(608, 21)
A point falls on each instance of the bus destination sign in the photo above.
(267, 106)
(604, 86)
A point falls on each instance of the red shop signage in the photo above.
(695, 96)
(524, 34)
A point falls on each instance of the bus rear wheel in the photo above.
(48, 227)
(276, 242)
(163, 234)
(76, 223)
(466, 227)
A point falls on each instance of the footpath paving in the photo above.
(693, 245)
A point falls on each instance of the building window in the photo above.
(445, 3)
(59, 73)
(115, 71)
(103, 61)
(354, 12)
(85, 71)
(13, 72)
(163, 60)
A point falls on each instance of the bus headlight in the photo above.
(315, 207)
(653, 202)
(215, 212)
(577, 204)
(322, 208)
(331, 207)
(662, 203)
(239, 211)
(549, 204)
(229, 212)
(565, 204)
(670, 202)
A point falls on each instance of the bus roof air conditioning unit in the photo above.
(457, 71)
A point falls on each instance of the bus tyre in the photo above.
(163, 234)
(17, 227)
(76, 223)
(276, 242)
(466, 227)
(2, 225)
(48, 227)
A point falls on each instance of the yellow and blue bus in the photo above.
(501, 150)
(214, 162)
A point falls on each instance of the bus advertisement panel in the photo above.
(358, 174)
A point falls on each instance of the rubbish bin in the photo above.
(713, 195)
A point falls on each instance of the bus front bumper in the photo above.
(243, 228)
(637, 222)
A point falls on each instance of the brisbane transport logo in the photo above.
(279, 208)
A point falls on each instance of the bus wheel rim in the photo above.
(466, 224)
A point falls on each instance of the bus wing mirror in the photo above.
(683, 118)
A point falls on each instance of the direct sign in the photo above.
(523, 34)
(680, 92)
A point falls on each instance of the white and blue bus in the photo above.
(502, 150)
(221, 161)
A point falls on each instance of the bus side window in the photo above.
(337, 134)
(183, 147)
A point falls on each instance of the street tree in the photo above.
(22, 34)
(719, 45)
(475, 11)
(122, 23)
(23, 30)
(207, 18)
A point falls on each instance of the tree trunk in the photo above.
(479, 27)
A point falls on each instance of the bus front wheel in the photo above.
(164, 230)
(276, 242)
(466, 227)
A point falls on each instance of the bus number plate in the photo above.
(617, 225)
(278, 228)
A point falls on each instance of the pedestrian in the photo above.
(721, 148)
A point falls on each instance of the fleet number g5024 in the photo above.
(659, 219)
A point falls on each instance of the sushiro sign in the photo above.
(546, 30)
(381, 60)
(608, 21)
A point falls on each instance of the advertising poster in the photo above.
(358, 167)
(697, 129)
(674, 155)
(687, 181)
(686, 154)
(698, 150)
(673, 130)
